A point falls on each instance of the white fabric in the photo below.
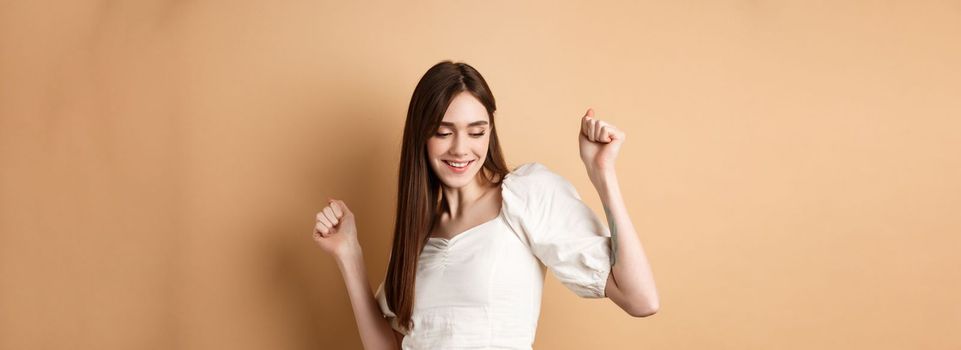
(482, 288)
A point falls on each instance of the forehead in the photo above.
(465, 109)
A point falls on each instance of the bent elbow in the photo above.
(644, 311)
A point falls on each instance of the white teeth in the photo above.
(457, 165)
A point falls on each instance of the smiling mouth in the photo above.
(458, 165)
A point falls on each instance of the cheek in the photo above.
(435, 147)
(482, 146)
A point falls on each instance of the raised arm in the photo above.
(631, 282)
(336, 233)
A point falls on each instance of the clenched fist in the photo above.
(599, 143)
(335, 231)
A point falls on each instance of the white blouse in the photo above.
(482, 288)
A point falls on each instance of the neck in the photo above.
(457, 200)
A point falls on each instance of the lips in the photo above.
(460, 169)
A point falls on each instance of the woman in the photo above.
(474, 237)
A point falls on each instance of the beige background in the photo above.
(792, 167)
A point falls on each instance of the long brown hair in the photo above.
(418, 188)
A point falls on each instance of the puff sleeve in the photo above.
(385, 309)
(546, 213)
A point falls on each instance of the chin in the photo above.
(458, 184)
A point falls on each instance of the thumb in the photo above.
(343, 207)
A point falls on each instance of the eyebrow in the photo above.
(477, 123)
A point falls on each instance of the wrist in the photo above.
(349, 255)
(605, 183)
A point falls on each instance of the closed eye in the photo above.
(448, 134)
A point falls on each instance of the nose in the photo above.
(460, 147)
